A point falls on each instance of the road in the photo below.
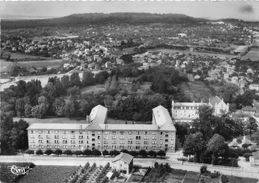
(146, 162)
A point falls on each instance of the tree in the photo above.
(27, 110)
(50, 91)
(73, 92)
(161, 153)
(228, 92)
(101, 77)
(96, 152)
(182, 130)
(88, 78)
(58, 152)
(21, 140)
(114, 153)
(33, 89)
(251, 126)
(75, 79)
(59, 107)
(72, 108)
(87, 152)
(215, 144)
(40, 111)
(127, 59)
(105, 152)
(125, 151)
(48, 151)
(68, 152)
(205, 122)
(39, 152)
(152, 154)
(227, 127)
(194, 145)
(65, 81)
(19, 107)
(78, 153)
(133, 153)
(143, 153)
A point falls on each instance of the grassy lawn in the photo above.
(48, 174)
(93, 89)
(233, 179)
(41, 63)
(24, 57)
(5, 173)
(196, 90)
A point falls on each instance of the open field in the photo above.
(196, 91)
(48, 174)
(93, 89)
(5, 65)
(41, 63)
(194, 53)
(24, 57)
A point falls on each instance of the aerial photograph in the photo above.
(129, 91)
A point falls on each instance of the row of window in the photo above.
(104, 142)
(186, 107)
(99, 137)
(93, 133)
(114, 147)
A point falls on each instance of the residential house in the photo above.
(123, 163)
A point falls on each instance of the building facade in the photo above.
(189, 111)
(97, 133)
(185, 111)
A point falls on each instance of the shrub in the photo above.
(203, 169)
(161, 153)
(247, 155)
(224, 179)
(134, 153)
(48, 151)
(87, 152)
(68, 152)
(57, 152)
(215, 174)
(152, 154)
(114, 153)
(125, 151)
(77, 152)
(105, 152)
(97, 152)
(29, 151)
(39, 152)
(143, 153)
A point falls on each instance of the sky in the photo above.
(214, 9)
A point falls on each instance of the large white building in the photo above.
(97, 133)
(185, 111)
(189, 111)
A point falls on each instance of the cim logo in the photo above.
(19, 170)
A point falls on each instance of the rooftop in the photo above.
(162, 121)
(127, 158)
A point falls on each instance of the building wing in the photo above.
(161, 117)
(98, 114)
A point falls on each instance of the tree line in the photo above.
(207, 140)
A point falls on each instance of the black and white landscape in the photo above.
(107, 92)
